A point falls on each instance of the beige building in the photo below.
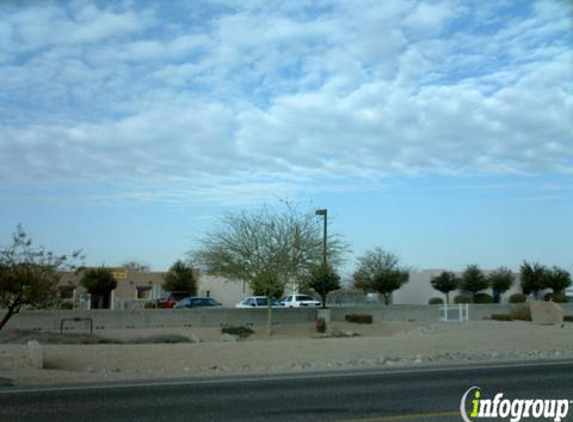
(135, 289)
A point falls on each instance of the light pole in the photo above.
(324, 213)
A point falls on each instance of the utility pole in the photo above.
(324, 213)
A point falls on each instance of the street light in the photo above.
(324, 213)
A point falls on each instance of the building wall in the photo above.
(228, 292)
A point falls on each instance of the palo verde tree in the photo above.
(29, 275)
(500, 281)
(181, 278)
(378, 271)
(473, 280)
(323, 280)
(266, 248)
(446, 282)
(99, 283)
(533, 278)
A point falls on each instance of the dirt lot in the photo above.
(133, 354)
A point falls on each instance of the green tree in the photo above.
(99, 283)
(557, 279)
(379, 271)
(181, 278)
(500, 281)
(445, 282)
(323, 280)
(533, 278)
(473, 280)
(266, 248)
(29, 275)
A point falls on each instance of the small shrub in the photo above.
(241, 331)
(521, 312)
(517, 298)
(568, 318)
(436, 301)
(149, 305)
(502, 317)
(462, 299)
(484, 298)
(359, 318)
(162, 339)
(67, 306)
(320, 325)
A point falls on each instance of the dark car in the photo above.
(197, 302)
(172, 298)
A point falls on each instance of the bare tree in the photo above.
(136, 266)
(29, 275)
(266, 248)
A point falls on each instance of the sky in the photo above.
(441, 131)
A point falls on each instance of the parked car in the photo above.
(169, 301)
(197, 302)
(299, 301)
(257, 302)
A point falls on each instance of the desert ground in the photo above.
(162, 353)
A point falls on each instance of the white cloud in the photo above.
(258, 99)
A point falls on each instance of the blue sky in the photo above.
(439, 130)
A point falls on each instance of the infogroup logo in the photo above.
(473, 406)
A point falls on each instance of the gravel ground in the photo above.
(137, 354)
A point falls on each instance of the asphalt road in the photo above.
(423, 394)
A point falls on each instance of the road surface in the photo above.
(422, 394)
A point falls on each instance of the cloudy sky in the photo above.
(439, 130)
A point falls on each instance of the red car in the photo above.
(172, 299)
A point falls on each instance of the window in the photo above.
(143, 292)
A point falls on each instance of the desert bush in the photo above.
(359, 318)
(320, 325)
(436, 301)
(517, 298)
(521, 312)
(241, 331)
(502, 317)
(161, 339)
(483, 298)
(462, 299)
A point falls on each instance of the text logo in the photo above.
(474, 406)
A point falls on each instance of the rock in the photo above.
(228, 337)
(36, 354)
(546, 313)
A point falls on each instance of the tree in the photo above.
(99, 282)
(135, 266)
(323, 279)
(500, 282)
(266, 249)
(557, 279)
(379, 271)
(180, 278)
(533, 278)
(473, 280)
(446, 282)
(29, 275)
